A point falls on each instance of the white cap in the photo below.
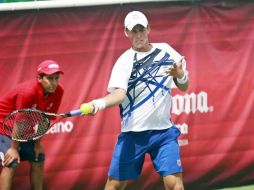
(133, 18)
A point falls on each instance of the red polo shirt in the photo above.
(29, 95)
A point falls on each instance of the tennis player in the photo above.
(141, 82)
(43, 93)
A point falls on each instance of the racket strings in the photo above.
(28, 125)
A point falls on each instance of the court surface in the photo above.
(248, 187)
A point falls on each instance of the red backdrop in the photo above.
(215, 115)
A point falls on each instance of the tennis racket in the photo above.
(31, 124)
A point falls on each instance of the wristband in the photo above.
(182, 80)
(100, 103)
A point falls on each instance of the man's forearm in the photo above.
(115, 98)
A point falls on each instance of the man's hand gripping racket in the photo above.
(93, 107)
(31, 124)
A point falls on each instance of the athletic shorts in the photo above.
(131, 148)
(26, 151)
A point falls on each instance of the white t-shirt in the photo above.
(148, 92)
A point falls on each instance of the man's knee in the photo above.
(113, 184)
(173, 182)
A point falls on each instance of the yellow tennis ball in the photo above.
(85, 109)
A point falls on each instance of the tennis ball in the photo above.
(85, 109)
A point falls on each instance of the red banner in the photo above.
(214, 115)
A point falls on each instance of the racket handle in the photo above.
(74, 112)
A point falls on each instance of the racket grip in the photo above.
(75, 112)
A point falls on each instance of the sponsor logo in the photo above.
(189, 104)
(183, 140)
(61, 127)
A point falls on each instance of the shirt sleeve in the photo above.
(121, 72)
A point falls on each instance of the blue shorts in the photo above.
(26, 151)
(131, 148)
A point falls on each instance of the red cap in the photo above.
(48, 67)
